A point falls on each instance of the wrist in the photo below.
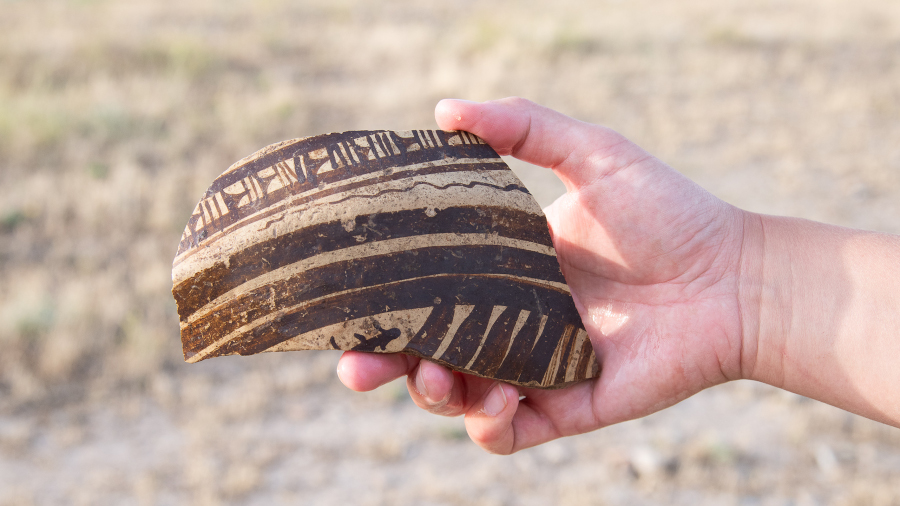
(763, 301)
(793, 295)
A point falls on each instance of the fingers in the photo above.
(489, 421)
(579, 152)
(366, 371)
(544, 415)
(436, 389)
(495, 418)
(431, 386)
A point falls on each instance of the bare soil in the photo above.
(114, 117)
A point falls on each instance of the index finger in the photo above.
(363, 372)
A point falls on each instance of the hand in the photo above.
(654, 264)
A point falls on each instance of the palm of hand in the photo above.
(651, 260)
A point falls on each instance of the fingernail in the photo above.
(420, 383)
(495, 401)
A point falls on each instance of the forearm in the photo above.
(827, 323)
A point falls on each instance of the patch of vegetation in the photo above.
(34, 324)
(11, 220)
(570, 39)
(98, 170)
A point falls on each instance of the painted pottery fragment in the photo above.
(420, 242)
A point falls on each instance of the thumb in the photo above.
(579, 152)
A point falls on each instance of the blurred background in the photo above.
(115, 116)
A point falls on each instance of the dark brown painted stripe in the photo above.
(496, 343)
(585, 359)
(594, 369)
(311, 179)
(204, 287)
(512, 365)
(411, 294)
(428, 339)
(279, 200)
(542, 354)
(564, 352)
(372, 271)
(404, 158)
(466, 340)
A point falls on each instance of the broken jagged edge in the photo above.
(420, 242)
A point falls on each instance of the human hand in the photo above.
(654, 265)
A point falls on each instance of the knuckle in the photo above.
(515, 101)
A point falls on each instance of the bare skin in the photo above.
(678, 290)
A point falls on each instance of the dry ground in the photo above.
(114, 116)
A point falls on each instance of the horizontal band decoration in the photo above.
(421, 242)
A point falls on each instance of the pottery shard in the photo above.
(420, 242)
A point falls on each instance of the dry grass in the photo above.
(114, 116)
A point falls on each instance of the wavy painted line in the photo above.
(507, 188)
(269, 223)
